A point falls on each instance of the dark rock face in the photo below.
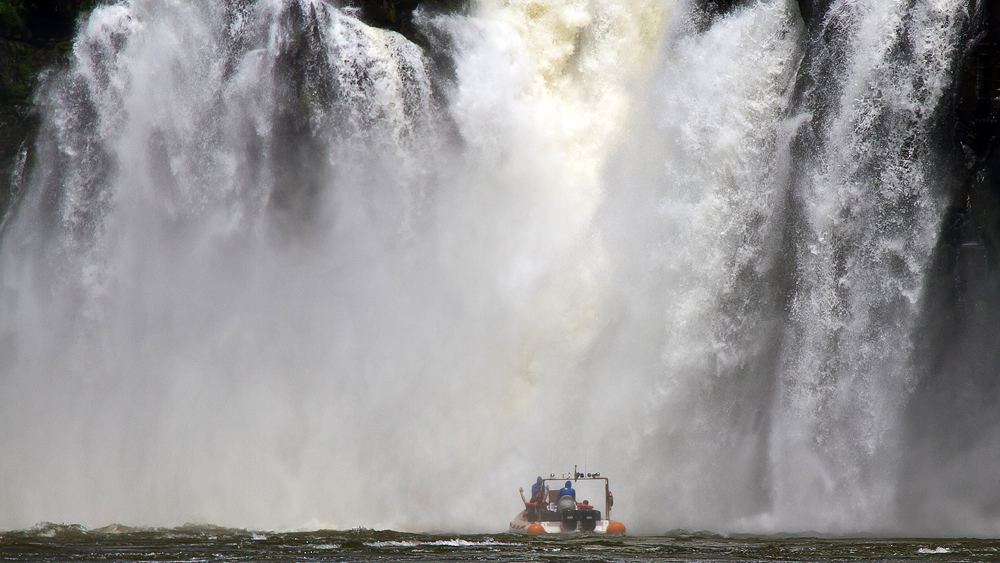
(398, 14)
(978, 100)
(51, 20)
(970, 238)
(810, 9)
(711, 9)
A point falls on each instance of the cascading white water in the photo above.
(274, 268)
(871, 197)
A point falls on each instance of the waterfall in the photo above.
(869, 196)
(273, 267)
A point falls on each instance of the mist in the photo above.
(274, 268)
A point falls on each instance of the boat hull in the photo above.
(520, 525)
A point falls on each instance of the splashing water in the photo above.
(275, 268)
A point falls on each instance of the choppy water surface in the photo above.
(68, 543)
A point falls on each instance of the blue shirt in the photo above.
(535, 491)
(567, 491)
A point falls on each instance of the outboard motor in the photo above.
(568, 514)
(588, 519)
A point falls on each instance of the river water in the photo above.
(51, 543)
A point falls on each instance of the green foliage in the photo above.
(10, 17)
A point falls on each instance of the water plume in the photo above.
(272, 267)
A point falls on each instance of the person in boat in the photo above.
(529, 506)
(585, 505)
(538, 491)
(534, 506)
(568, 490)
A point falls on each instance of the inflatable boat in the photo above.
(560, 513)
